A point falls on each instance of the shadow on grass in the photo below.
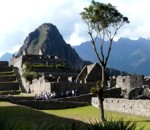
(29, 118)
(143, 121)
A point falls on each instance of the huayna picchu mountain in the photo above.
(47, 38)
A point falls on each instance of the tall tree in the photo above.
(103, 21)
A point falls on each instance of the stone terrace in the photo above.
(8, 81)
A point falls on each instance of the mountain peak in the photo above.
(48, 38)
(46, 26)
(123, 39)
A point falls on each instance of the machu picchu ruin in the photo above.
(9, 84)
(51, 77)
(74, 65)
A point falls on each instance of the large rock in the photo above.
(48, 38)
(146, 92)
(134, 93)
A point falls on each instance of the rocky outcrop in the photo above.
(47, 38)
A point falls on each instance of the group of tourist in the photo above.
(45, 95)
(49, 96)
(69, 93)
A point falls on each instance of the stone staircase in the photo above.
(8, 81)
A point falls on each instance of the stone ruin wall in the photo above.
(130, 81)
(42, 85)
(131, 85)
(63, 87)
(94, 75)
(122, 82)
(136, 107)
(41, 59)
(16, 62)
(136, 80)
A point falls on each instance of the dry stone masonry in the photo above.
(131, 85)
(8, 81)
(136, 107)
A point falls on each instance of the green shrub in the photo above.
(112, 124)
(93, 90)
(42, 66)
(119, 124)
(31, 75)
(73, 126)
(6, 123)
(28, 66)
(60, 66)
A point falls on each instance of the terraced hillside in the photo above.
(8, 81)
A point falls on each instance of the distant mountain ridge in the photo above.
(47, 38)
(132, 56)
(6, 57)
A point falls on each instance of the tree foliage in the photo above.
(103, 21)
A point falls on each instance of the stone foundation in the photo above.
(41, 85)
(50, 104)
(136, 107)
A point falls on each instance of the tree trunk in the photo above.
(101, 107)
(100, 94)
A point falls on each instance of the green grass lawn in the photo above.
(89, 113)
(27, 116)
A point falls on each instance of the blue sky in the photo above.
(20, 17)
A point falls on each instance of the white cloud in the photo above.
(137, 12)
(20, 17)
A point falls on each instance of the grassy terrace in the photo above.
(7, 73)
(4, 74)
(15, 81)
(8, 83)
(27, 116)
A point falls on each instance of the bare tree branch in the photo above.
(94, 47)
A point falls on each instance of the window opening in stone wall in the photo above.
(136, 79)
(123, 80)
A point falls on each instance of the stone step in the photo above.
(4, 69)
(9, 86)
(7, 73)
(5, 78)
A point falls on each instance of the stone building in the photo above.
(131, 85)
(38, 59)
(90, 73)
(51, 67)
(41, 84)
(57, 78)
